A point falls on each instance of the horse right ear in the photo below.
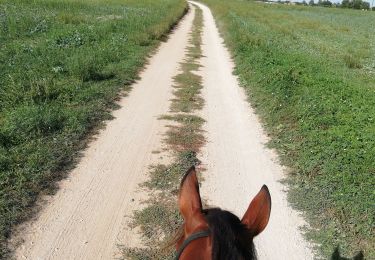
(189, 201)
(258, 213)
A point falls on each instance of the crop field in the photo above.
(63, 64)
(310, 74)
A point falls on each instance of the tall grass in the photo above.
(310, 74)
(63, 64)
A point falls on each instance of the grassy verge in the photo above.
(63, 64)
(309, 72)
(160, 219)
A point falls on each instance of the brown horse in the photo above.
(215, 233)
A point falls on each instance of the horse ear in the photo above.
(189, 201)
(258, 213)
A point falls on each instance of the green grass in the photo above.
(63, 64)
(160, 220)
(309, 72)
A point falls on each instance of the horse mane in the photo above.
(231, 239)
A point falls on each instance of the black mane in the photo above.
(231, 239)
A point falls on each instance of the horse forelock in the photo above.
(231, 239)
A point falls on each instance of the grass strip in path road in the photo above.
(309, 72)
(160, 219)
(63, 64)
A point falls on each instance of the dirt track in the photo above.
(237, 160)
(87, 218)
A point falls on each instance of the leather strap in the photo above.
(192, 237)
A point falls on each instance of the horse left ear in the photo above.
(190, 203)
(258, 213)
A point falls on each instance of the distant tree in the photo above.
(345, 4)
(304, 2)
(326, 3)
(373, 8)
(365, 5)
(312, 3)
(355, 4)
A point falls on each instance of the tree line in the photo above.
(352, 4)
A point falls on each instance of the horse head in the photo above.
(215, 233)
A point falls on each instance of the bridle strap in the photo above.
(192, 237)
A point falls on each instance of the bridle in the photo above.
(192, 237)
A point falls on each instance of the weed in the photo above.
(352, 62)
